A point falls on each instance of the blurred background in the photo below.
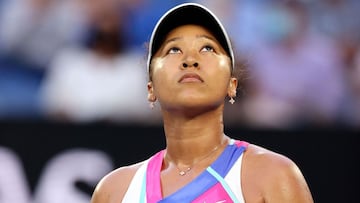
(77, 67)
(81, 62)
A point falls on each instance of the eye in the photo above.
(174, 50)
(208, 48)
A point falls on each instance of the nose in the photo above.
(190, 60)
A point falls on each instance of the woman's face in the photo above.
(190, 69)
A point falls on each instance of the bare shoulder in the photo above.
(267, 159)
(275, 177)
(113, 186)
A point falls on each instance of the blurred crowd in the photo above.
(84, 61)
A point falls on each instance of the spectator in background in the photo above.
(34, 30)
(31, 33)
(297, 76)
(338, 20)
(102, 81)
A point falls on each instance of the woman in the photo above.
(191, 65)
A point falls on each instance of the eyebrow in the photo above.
(206, 37)
(197, 36)
(172, 40)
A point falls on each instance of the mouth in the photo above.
(190, 78)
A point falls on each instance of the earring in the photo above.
(152, 105)
(232, 100)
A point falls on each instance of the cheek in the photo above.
(224, 64)
(157, 67)
(161, 73)
(219, 68)
(221, 62)
(222, 73)
(156, 64)
(164, 67)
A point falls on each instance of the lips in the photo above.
(190, 78)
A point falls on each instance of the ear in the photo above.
(151, 95)
(233, 83)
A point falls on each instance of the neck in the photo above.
(187, 144)
(190, 139)
(187, 125)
